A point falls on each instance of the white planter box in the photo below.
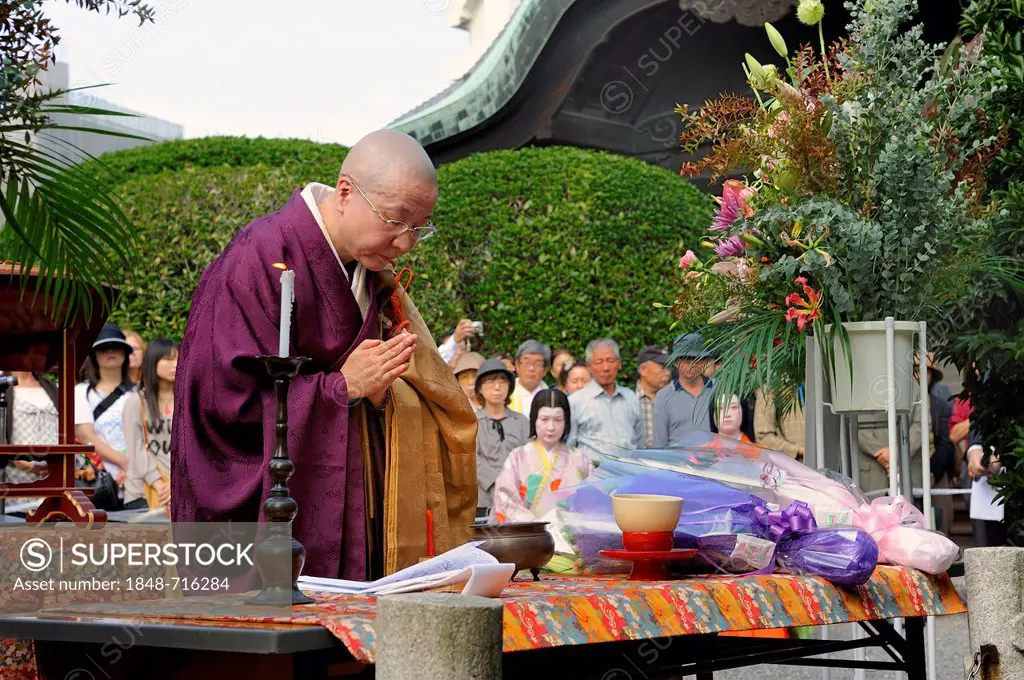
(865, 390)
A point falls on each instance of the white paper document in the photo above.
(983, 502)
(481, 573)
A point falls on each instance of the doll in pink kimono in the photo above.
(537, 474)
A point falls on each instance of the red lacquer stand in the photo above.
(649, 565)
(30, 340)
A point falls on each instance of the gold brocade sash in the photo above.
(430, 433)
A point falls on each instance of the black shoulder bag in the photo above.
(105, 492)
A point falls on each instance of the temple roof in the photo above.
(608, 74)
(492, 81)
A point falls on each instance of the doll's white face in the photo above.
(730, 419)
(550, 426)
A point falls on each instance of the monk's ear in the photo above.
(343, 192)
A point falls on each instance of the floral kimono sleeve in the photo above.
(509, 503)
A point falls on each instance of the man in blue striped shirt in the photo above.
(606, 417)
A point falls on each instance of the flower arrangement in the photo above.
(861, 197)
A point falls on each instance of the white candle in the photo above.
(287, 295)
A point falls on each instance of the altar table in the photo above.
(583, 621)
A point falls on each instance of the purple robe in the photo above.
(223, 432)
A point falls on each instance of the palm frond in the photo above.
(59, 216)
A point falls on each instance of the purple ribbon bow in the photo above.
(780, 523)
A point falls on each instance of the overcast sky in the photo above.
(327, 70)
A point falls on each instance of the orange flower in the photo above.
(803, 310)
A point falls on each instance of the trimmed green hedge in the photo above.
(561, 244)
(233, 152)
(184, 220)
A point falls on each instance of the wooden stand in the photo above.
(73, 505)
(30, 340)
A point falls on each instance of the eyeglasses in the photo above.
(397, 226)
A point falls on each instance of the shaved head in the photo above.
(383, 201)
(387, 161)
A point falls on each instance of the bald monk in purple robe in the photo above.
(337, 240)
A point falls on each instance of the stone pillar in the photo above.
(995, 603)
(438, 635)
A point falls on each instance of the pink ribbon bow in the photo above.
(886, 513)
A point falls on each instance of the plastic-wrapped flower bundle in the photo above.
(846, 556)
(897, 527)
(772, 476)
(584, 524)
(734, 531)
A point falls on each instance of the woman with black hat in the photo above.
(499, 429)
(100, 401)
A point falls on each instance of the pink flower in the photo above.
(687, 260)
(732, 204)
(728, 267)
(733, 246)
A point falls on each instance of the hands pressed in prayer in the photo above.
(375, 364)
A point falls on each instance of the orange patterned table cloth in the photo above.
(562, 611)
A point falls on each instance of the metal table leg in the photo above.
(915, 657)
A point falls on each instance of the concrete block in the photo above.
(995, 598)
(438, 635)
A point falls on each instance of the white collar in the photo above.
(540, 386)
(313, 194)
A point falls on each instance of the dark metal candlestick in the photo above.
(280, 548)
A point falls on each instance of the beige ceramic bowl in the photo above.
(646, 512)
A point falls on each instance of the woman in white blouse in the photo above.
(100, 401)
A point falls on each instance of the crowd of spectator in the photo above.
(669, 397)
(544, 418)
(123, 409)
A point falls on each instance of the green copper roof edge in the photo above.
(484, 90)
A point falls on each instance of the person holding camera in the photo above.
(458, 342)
